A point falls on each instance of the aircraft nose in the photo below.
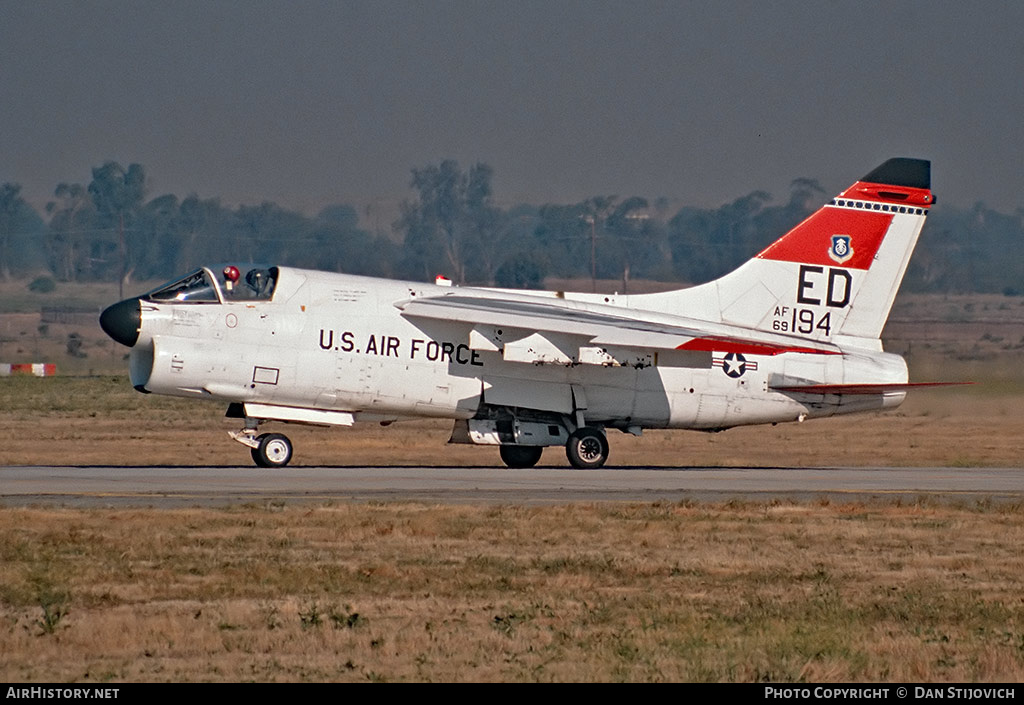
(123, 321)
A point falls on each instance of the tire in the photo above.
(274, 451)
(520, 456)
(587, 448)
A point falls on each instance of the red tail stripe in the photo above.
(902, 195)
(811, 241)
(727, 345)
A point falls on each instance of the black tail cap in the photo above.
(901, 171)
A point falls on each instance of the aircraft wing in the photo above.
(603, 329)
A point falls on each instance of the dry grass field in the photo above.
(393, 592)
(740, 591)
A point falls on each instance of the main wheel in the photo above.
(587, 448)
(520, 456)
(274, 451)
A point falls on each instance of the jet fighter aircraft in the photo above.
(790, 335)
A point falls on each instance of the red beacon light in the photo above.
(231, 275)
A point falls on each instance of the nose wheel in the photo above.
(269, 450)
(273, 450)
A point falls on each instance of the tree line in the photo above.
(109, 230)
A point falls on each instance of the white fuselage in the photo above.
(339, 343)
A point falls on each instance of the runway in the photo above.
(164, 487)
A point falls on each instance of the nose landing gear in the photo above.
(268, 450)
(274, 450)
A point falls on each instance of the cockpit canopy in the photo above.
(219, 285)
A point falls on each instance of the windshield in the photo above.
(197, 287)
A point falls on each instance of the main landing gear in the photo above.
(586, 449)
(520, 456)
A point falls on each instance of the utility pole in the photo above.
(593, 253)
(121, 255)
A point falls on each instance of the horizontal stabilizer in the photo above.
(860, 388)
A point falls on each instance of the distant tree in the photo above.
(117, 196)
(341, 214)
(563, 234)
(805, 197)
(10, 206)
(452, 227)
(524, 270)
(517, 261)
(968, 250)
(806, 193)
(577, 237)
(157, 238)
(270, 234)
(707, 243)
(337, 243)
(632, 241)
(20, 231)
(72, 218)
(203, 228)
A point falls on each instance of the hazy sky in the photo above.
(310, 103)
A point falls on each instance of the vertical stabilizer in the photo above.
(836, 274)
